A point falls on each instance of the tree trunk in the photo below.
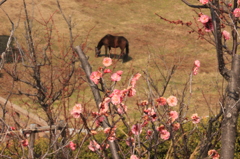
(230, 112)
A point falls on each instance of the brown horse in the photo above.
(110, 41)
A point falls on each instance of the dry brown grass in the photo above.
(146, 33)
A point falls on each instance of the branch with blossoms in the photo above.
(158, 121)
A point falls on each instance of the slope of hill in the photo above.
(151, 39)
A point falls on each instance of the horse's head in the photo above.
(97, 52)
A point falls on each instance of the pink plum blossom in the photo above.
(134, 157)
(204, 18)
(104, 105)
(172, 101)
(119, 72)
(208, 26)
(197, 63)
(173, 115)
(72, 145)
(149, 134)
(176, 126)
(143, 103)
(165, 134)
(95, 76)
(213, 154)
(204, 1)
(131, 92)
(226, 35)
(111, 133)
(116, 99)
(24, 142)
(160, 128)
(236, 12)
(107, 61)
(195, 118)
(151, 112)
(161, 101)
(77, 110)
(93, 145)
(136, 129)
(116, 77)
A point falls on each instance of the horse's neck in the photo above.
(100, 44)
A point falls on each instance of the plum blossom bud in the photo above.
(195, 70)
(107, 71)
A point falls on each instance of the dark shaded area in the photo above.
(12, 53)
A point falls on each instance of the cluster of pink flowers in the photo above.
(226, 35)
(103, 106)
(207, 22)
(196, 67)
(72, 145)
(171, 101)
(111, 133)
(77, 110)
(213, 154)
(195, 118)
(150, 112)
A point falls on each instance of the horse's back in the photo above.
(114, 41)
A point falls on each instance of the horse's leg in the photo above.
(122, 53)
(109, 51)
(106, 50)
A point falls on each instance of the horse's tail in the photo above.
(127, 51)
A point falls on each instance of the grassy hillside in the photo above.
(152, 41)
